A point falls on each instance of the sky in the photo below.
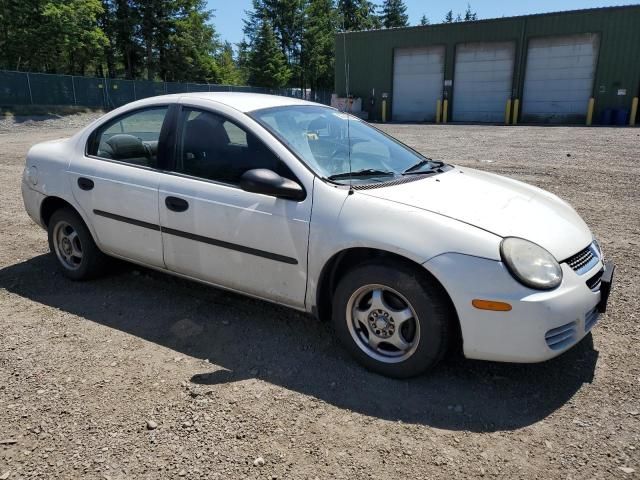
(229, 14)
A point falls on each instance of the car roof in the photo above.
(246, 102)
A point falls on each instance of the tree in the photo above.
(448, 17)
(267, 64)
(73, 33)
(187, 52)
(470, 15)
(318, 44)
(424, 20)
(228, 69)
(357, 15)
(394, 14)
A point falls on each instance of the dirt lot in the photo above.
(238, 388)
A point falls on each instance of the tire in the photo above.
(78, 256)
(405, 331)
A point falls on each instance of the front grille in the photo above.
(594, 282)
(584, 260)
(590, 319)
(561, 337)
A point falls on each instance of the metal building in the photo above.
(565, 67)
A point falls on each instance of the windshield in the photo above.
(322, 138)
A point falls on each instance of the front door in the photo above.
(215, 231)
(116, 184)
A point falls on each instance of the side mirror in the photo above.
(268, 182)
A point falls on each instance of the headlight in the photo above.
(530, 264)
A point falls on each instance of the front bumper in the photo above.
(541, 324)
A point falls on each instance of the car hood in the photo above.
(500, 205)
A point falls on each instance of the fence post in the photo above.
(134, 90)
(29, 85)
(73, 87)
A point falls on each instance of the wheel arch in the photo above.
(341, 262)
(53, 203)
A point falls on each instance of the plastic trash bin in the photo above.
(621, 116)
(606, 116)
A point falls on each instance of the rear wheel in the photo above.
(71, 243)
(392, 319)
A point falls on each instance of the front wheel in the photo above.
(73, 246)
(393, 320)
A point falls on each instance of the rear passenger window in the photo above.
(132, 138)
(214, 148)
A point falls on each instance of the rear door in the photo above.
(215, 231)
(116, 183)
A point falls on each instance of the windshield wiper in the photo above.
(367, 172)
(436, 165)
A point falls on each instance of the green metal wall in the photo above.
(370, 53)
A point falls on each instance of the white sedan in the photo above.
(299, 204)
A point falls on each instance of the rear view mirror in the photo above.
(268, 182)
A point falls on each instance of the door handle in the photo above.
(176, 204)
(85, 183)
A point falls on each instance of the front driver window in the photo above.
(214, 148)
(131, 138)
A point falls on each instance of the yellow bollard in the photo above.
(438, 110)
(590, 111)
(384, 111)
(634, 111)
(516, 107)
(507, 112)
(445, 108)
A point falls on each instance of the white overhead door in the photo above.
(559, 78)
(482, 82)
(418, 75)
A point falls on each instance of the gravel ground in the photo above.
(141, 375)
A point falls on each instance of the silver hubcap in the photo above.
(383, 323)
(67, 245)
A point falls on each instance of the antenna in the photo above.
(347, 105)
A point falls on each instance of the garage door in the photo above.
(482, 81)
(559, 78)
(418, 75)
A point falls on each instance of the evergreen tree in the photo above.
(449, 17)
(394, 14)
(424, 20)
(357, 15)
(188, 52)
(318, 44)
(228, 69)
(267, 64)
(470, 15)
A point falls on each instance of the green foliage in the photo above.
(394, 14)
(267, 64)
(357, 15)
(448, 17)
(318, 44)
(424, 20)
(469, 15)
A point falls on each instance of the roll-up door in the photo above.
(559, 78)
(418, 75)
(482, 81)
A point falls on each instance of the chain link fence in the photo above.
(25, 88)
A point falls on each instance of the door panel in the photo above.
(123, 208)
(249, 242)
(116, 184)
(418, 76)
(559, 78)
(483, 81)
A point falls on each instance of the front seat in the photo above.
(204, 144)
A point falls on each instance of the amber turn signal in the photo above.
(491, 305)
